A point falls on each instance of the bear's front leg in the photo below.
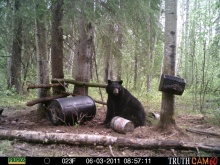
(110, 113)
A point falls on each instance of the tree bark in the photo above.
(153, 51)
(169, 62)
(57, 43)
(149, 52)
(107, 53)
(107, 61)
(76, 139)
(119, 52)
(202, 86)
(84, 56)
(71, 42)
(16, 50)
(186, 42)
(135, 64)
(41, 49)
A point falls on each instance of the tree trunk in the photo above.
(57, 44)
(169, 62)
(42, 57)
(16, 50)
(70, 58)
(149, 53)
(84, 56)
(186, 46)
(107, 48)
(119, 53)
(202, 86)
(109, 60)
(135, 64)
(194, 78)
(153, 52)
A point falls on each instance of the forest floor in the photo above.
(27, 119)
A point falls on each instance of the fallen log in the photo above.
(201, 132)
(79, 83)
(77, 139)
(45, 85)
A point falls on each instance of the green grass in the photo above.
(183, 103)
(10, 99)
(151, 101)
(212, 117)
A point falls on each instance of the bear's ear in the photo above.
(120, 82)
(109, 81)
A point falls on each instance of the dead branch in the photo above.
(79, 83)
(45, 85)
(111, 152)
(69, 138)
(201, 132)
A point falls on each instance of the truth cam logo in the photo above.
(204, 161)
(194, 161)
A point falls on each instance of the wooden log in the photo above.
(96, 101)
(202, 132)
(45, 99)
(79, 83)
(45, 85)
(64, 94)
(77, 139)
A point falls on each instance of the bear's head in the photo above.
(114, 87)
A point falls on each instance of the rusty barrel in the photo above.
(121, 125)
(71, 110)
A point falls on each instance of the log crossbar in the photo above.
(62, 82)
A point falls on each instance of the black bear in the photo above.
(122, 103)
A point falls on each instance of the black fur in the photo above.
(122, 103)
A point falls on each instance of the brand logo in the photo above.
(205, 160)
(214, 161)
(193, 161)
(183, 161)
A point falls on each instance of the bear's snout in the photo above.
(115, 91)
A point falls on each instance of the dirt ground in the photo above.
(27, 119)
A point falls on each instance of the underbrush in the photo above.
(212, 117)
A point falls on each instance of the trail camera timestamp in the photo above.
(118, 161)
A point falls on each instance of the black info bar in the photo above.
(110, 160)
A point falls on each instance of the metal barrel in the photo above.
(121, 125)
(71, 110)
